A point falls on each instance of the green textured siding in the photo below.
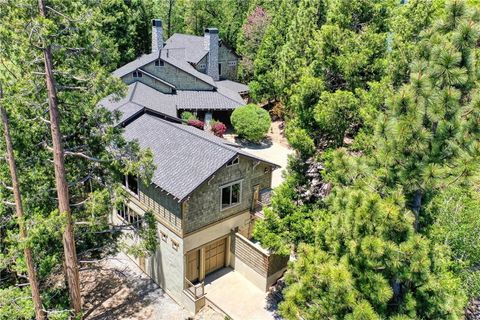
(180, 79)
(162, 205)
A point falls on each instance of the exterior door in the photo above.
(215, 256)
(193, 265)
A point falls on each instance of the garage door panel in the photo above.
(215, 256)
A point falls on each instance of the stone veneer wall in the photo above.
(203, 207)
(224, 56)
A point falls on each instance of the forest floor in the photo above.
(117, 288)
(274, 148)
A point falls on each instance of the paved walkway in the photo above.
(274, 149)
(236, 296)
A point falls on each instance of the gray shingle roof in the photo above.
(188, 46)
(184, 156)
(140, 95)
(206, 100)
(232, 85)
(149, 58)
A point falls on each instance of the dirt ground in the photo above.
(116, 288)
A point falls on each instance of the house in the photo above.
(188, 73)
(206, 192)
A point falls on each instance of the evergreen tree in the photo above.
(292, 57)
(266, 62)
(95, 153)
(377, 251)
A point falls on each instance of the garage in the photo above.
(215, 256)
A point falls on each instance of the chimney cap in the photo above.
(156, 22)
(211, 30)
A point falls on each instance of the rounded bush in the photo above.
(187, 115)
(218, 128)
(196, 123)
(251, 122)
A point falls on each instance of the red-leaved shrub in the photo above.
(219, 129)
(196, 123)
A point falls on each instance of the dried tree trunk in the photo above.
(32, 276)
(60, 179)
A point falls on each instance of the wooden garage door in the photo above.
(193, 266)
(215, 256)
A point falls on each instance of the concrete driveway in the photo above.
(274, 148)
(238, 297)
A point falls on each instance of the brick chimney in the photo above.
(157, 35)
(210, 41)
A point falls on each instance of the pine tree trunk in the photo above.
(32, 276)
(60, 179)
(170, 7)
(417, 204)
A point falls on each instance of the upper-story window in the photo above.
(202, 66)
(137, 74)
(131, 183)
(232, 162)
(232, 63)
(231, 195)
(159, 63)
(220, 69)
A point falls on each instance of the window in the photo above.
(220, 69)
(202, 66)
(159, 63)
(232, 63)
(175, 245)
(137, 74)
(131, 183)
(163, 236)
(232, 162)
(231, 195)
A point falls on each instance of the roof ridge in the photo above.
(133, 92)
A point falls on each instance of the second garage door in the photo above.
(215, 256)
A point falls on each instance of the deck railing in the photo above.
(197, 291)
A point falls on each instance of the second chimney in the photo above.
(157, 35)
(211, 45)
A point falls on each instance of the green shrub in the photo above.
(251, 122)
(187, 115)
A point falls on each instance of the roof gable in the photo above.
(185, 156)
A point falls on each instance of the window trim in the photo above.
(125, 185)
(240, 182)
(235, 161)
(175, 245)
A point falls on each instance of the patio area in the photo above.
(237, 297)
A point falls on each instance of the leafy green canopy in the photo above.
(251, 122)
(96, 154)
